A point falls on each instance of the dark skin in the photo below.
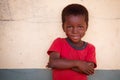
(75, 28)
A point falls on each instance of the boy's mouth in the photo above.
(75, 37)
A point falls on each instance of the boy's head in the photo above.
(75, 22)
(76, 10)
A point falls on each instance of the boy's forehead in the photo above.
(75, 17)
(75, 20)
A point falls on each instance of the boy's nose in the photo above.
(74, 30)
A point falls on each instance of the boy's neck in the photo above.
(79, 44)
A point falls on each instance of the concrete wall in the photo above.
(28, 27)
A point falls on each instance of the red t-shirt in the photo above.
(64, 48)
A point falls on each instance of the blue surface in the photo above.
(45, 74)
(105, 75)
(25, 74)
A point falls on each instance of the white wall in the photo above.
(28, 27)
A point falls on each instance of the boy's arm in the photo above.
(56, 62)
(77, 70)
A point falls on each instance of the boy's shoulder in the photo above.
(90, 45)
(59, 39)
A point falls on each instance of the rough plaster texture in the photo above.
(28, 27)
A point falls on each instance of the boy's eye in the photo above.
(69, 26)
(80, 27)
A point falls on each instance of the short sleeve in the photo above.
(56, 46)
(91, 56)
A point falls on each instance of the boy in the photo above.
(71, 58)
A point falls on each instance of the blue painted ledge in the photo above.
(45, 74)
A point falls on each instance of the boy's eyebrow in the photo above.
(71, 24)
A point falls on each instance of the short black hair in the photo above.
(75, 9)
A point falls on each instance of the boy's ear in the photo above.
(63, 27)
(87, 28)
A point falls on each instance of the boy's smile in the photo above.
(75, 27)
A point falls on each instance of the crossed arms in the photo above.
(77, 65)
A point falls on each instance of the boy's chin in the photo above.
(75, 41)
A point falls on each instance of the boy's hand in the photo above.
(85, 67)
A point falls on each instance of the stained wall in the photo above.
(28, 27)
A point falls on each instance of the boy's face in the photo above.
(75, 27)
